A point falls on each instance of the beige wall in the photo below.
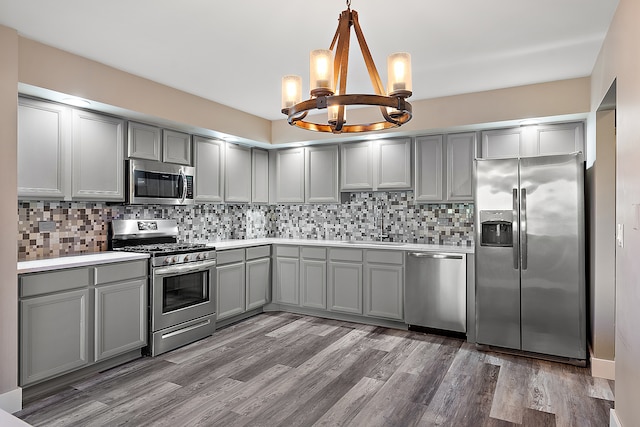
(620, 60)
(8, 214)
(46, 67)
(601, 175)
(517, 103)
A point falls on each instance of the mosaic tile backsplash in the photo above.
(78, 227)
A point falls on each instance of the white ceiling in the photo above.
(236, 52)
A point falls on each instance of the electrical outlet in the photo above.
(620, 235)
(46, 226)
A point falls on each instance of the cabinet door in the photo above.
(120, 318)
(501, 143)
(54, 335)
(290, 175)
(345, 287)
(43, 147)
(383, 291)
(461, 150)
(313, 283)
(564, 138)
(356, 172)
(429, 168)
(394, 163)
(144, 142)
(237, 180)
(176, 147)
(231, 290)
(98, 157)
(287, 280)
(209, 162)
(322, 174)
(259, 176)
(258, 273)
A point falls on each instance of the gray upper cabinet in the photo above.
(144, 142)
(43, 149)
(98, 157)
(534, 140)
(428, 168)
(322, 174)
(237, 180)
(259, 176)
(461, 151)
(561, 138)
(176, 147)
(393, 164)
(290, 175)
(356, 172)
(209, 163)
(501, 143)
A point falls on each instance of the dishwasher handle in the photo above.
(435, 256)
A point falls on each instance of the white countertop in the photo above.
(77, 261)
(356, 244)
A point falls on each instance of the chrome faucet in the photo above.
(378, 214)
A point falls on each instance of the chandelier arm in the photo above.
(368, 59)
(343, 55)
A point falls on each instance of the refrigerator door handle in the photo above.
(514, 230)
(523, 226)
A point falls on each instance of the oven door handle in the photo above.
(192, 267)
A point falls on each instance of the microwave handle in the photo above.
(184, 186)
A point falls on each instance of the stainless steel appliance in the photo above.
(150, 182)
(182, 279)
(436, 291)
(530, 268)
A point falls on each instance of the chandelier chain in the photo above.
(348, 4)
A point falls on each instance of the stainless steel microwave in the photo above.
(157, 183)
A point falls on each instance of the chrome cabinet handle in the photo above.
(514, 231)
(434, 256)
(523, 226)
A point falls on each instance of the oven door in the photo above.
(182, 293)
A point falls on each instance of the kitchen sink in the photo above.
(373, 242)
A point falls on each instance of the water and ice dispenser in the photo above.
(496, 228)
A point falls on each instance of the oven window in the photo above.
(184, 290)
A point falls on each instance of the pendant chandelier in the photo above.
(328, 80)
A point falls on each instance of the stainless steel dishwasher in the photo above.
(436, 291)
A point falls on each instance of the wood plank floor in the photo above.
(292, 370)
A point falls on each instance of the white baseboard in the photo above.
(613, 419)
(11, 401)
(603, 368)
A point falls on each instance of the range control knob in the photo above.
(186, 258)
(204, 255)
(167, 260)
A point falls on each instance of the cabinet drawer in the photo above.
(54, 281)
(227, 257)
(314, 253)
(119, 272)
(385, 257)
(258, 252)
(353, 255)
(287, 251)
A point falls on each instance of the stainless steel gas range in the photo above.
(182, 281)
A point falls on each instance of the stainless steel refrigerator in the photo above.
(529, 253)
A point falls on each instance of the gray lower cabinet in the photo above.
(120, 318)
(258, 272)
(230, 274)
(72, 318)
(345, 280)
(384, 284)
(287, 275)
(313, 277)
(54, 335)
